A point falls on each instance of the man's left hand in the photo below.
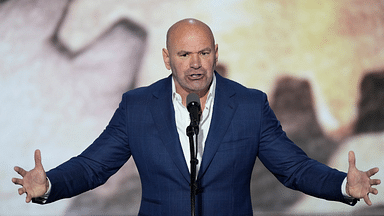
(359, 183)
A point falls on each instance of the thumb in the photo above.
(38, 158)
(351, 160)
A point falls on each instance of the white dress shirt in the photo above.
(183, 120)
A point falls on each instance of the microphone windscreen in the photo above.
(193, 97)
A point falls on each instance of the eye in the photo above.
(183, 54)
(205, 53)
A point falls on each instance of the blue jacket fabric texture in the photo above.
(243, 127)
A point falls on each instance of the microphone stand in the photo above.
(193, 129)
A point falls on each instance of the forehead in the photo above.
(190, 37)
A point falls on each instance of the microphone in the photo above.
(194, 108)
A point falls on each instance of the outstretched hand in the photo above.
(359, 183)
(34, 182)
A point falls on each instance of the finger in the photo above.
(20, 170)
(367, 200)
(351, 159)
(18, 181)
(373, 191)
(38, 158)
(21, 190)
(372, 171)
(375, 181)
(28, 199)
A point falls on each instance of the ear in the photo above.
(216, 53)
(167, 60)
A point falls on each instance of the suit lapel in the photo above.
(164, 116)
(223, 111)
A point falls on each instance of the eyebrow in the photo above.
(188, 52)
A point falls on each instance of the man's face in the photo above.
(192, 57)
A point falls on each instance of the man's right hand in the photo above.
(34, 182)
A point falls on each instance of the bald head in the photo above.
(187, 26)
(191, 55)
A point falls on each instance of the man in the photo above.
(150, 124)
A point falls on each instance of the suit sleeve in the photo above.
(96, 164)
(291, 166)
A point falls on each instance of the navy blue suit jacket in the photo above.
(243, 127)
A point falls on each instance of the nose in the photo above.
(195, 62)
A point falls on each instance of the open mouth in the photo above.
(196, 76)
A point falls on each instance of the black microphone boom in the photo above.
(194, 109)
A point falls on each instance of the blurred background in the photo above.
(65, 64)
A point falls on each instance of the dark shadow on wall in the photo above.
(371, 104)
(128, 27)
(292, 101)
